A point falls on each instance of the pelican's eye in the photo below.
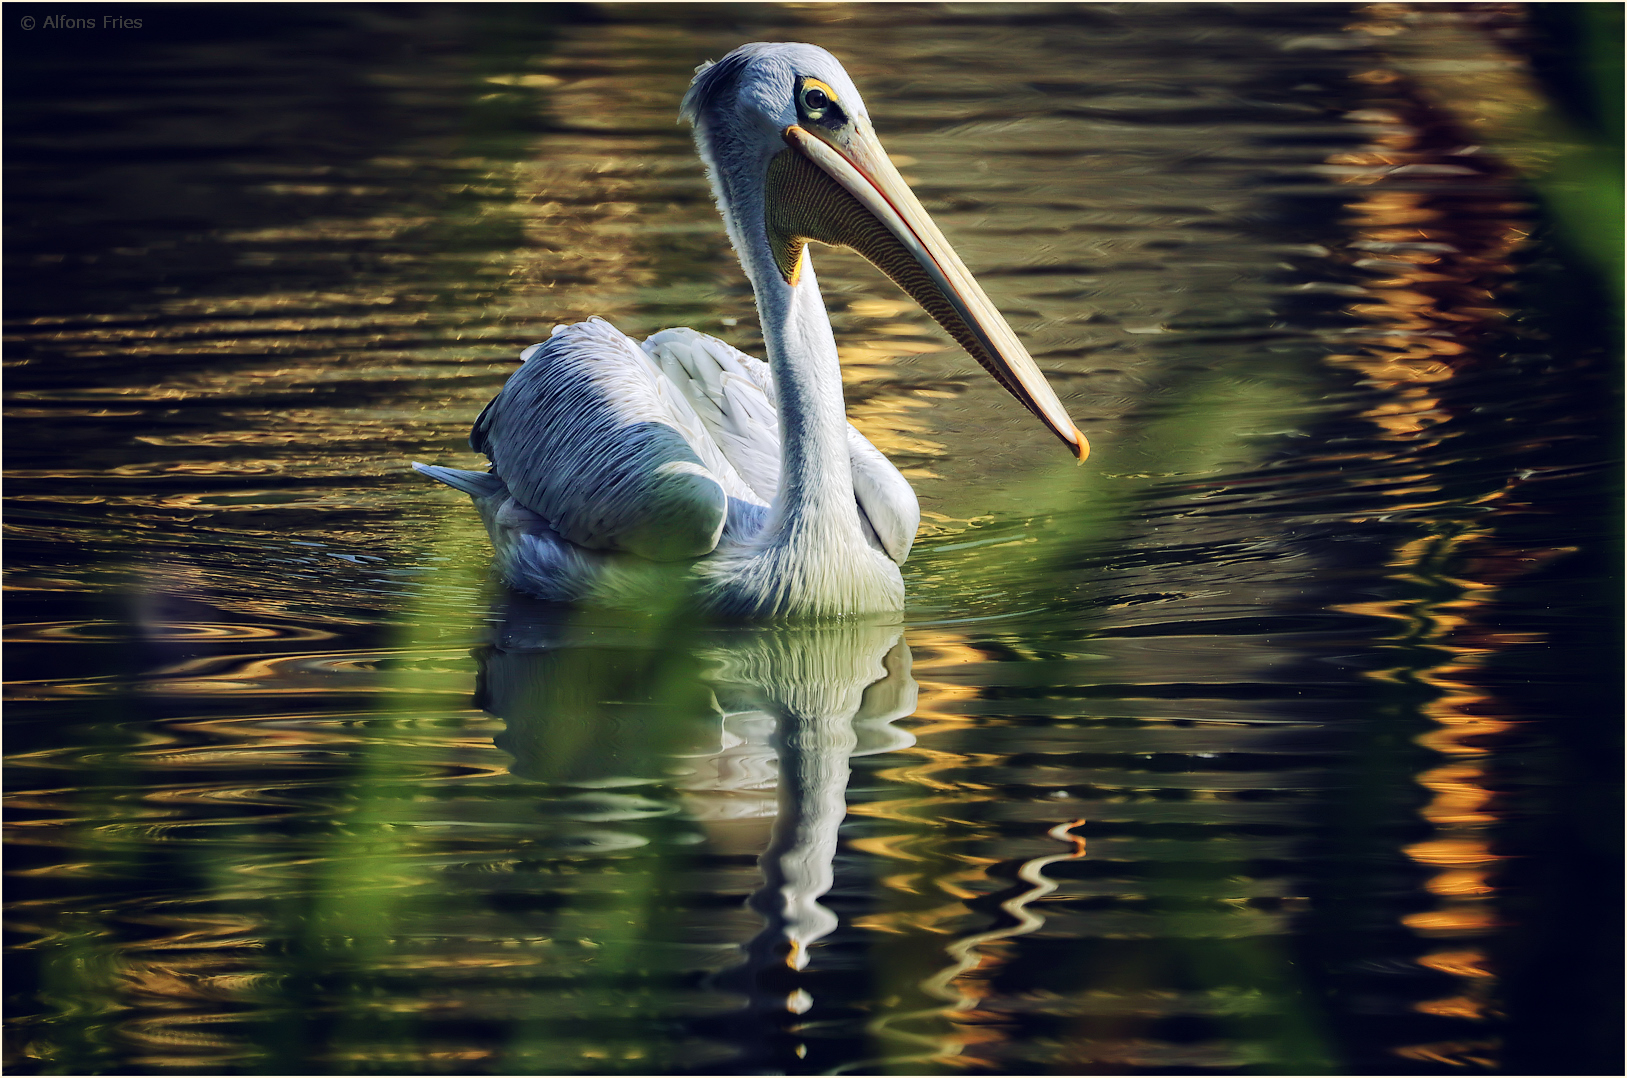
(816, 102)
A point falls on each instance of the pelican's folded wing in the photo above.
(594, 438)
(732, 394)
(885, 497)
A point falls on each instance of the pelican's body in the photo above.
(681, 436)
(611, 457)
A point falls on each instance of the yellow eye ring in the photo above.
(815, 98)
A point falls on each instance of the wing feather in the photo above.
(591, 436)
(885, 497)
(733, 395)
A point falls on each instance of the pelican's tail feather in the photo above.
(474, 484)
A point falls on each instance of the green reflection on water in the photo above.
(379, 905)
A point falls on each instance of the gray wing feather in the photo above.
(594, 439)
(733, 396)
(885, 497)
(474, 484)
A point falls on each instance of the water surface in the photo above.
(1271, 740)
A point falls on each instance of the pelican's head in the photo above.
(793, 158)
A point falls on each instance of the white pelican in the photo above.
(610, 456)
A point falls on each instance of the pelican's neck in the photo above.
(813, 556)
(815, 503)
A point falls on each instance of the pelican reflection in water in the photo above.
(766, 740)
(611, 457)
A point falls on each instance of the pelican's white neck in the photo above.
(815, 499)
(813, 556)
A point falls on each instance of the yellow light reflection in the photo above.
(1435, 232)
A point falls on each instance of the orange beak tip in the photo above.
(1081, 445)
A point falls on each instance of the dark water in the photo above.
(1277, 738)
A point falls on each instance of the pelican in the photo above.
(613, 458)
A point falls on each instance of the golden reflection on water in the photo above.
(1438, 255)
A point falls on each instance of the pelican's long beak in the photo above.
(852, 196)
